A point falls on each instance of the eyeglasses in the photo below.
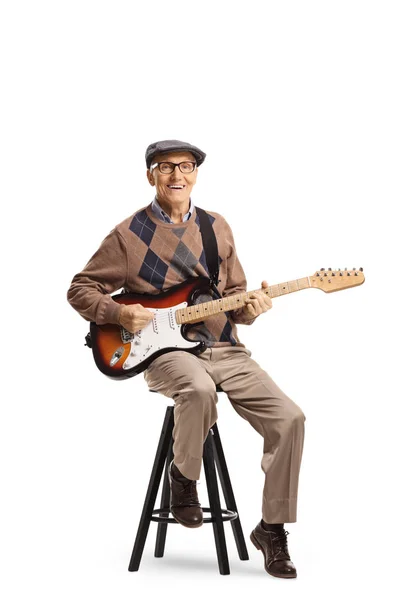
(169, 167)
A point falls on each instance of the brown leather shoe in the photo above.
(185, 506)
(274, 547)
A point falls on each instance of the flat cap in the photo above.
(173, 146)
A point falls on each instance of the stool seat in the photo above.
(213, 461)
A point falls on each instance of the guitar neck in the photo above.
(198, 312)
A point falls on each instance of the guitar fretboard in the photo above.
(199, 312)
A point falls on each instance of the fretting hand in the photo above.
(257, 303)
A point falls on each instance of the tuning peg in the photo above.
(361, 269)
(354, 268)
(322, 269)
(345, 268)
(348, 274)
(330, 269)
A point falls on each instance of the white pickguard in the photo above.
(162, 332)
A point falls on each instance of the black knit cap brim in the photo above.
(173, 146)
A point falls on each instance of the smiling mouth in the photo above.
(176, 187)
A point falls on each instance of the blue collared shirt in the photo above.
(162, 215)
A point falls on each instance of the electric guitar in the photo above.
(120, 354)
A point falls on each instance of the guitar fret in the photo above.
(201, 310)
(304, 283)
(274, 291)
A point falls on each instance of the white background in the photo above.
(297, 106)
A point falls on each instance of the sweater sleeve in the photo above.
(106, 272)
(236, 281)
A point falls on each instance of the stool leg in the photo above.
(228, 493)
(215, 505)
(148, 507)
(165, 501)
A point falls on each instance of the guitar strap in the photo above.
(210, 246)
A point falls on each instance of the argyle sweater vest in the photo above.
(144, 255)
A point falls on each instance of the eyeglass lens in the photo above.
(184, 167)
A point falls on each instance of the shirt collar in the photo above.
(162, 215)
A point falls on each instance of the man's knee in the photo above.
(199, 390)
(294, 417)
(198, 400)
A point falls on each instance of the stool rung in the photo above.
(230, 515)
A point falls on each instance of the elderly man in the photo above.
(160, 246)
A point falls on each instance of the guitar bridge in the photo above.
(126, 336)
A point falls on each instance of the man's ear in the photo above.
(150, 177)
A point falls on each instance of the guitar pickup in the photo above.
(171, 319)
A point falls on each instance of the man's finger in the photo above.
(254, 304)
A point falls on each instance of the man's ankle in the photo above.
(271, 526)
(177, 472)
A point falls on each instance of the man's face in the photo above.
(174, 188)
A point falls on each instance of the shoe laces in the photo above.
(191, 491)
(280, 543)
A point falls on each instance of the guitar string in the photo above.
(273, 291)
(163, 316)
(279, 289)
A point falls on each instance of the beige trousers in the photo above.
(190, 381)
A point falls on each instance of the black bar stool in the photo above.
(212, 455)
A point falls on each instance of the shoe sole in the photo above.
(259, 547)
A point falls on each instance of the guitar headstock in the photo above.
(329, 280)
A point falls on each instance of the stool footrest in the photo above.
(227, 515)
